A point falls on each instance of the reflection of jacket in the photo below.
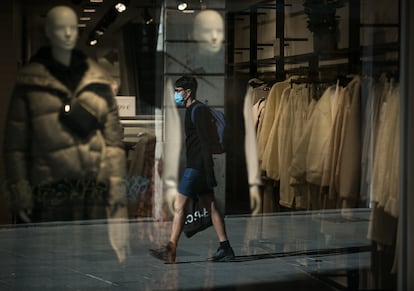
(40, 150)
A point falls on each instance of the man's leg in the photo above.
(216, 217)
(168, 252)
(225, 251)
(178, 219)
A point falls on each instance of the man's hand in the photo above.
(22, 193)
(117, 198)
(24, 215)
(117, 217)
(255, 200)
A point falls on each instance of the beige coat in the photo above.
(39, 150)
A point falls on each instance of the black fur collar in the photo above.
(70, 75)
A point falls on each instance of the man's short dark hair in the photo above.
(188, 82)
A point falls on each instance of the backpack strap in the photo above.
(193, 110)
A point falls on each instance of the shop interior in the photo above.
(317, 50)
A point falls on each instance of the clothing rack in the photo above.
(342, 80)
(312, 69)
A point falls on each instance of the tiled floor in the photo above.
(282, 251)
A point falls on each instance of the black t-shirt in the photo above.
(197, 142)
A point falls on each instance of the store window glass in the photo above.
(108, 137)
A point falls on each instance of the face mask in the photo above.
(179, 99)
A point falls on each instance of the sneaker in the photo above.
(166, 253)
(223, 255)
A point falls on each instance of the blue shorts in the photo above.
(193, 183)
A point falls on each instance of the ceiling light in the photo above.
(148, 19)
(93, 42)
(89, 10)
(99, 32)
(182, 5)
(120, 7)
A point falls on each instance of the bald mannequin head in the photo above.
(62, 30)
(208, 31)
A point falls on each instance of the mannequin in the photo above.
(208, 31)
(54, 173)
(208, 35)
(62, 33)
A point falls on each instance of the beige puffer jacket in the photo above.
(39, 150)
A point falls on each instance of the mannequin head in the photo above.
(61, 30)
(208, 31)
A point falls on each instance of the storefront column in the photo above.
(8, 71)
(406, 238)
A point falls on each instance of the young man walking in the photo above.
(198, 178)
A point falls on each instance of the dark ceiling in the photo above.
(103, 17)
(34, 12)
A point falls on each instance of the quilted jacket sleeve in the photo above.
(16, 143)
(114, 164)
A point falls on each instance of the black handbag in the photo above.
(197, 218)
(78, 118)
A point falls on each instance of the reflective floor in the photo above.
(300, 251)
